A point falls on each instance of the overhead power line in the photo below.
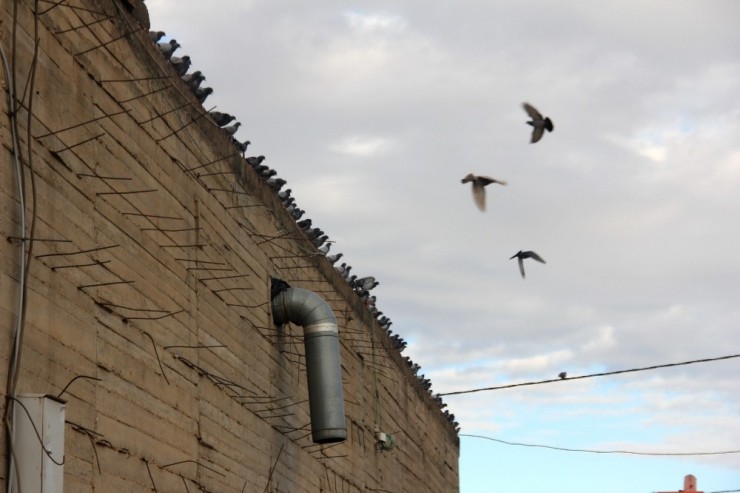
(626, 452)
(616, 372)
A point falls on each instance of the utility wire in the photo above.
(625, 452)
(603, 374)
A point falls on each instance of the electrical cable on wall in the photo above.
(25, 253)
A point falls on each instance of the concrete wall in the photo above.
(150, 280)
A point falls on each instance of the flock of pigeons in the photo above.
(193, 82)
(539, 124)
(360, 285)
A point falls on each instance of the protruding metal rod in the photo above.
(81, 124)
(72, 7)
(159, 77)
(145, 94)
(64, 254)
(77, 144)
(85, 25)
(201, 115)
(125, 35)
(166, 112)
(213, 162)
(100, 177)
(56, 268)
(156, 216)
(128, 193)
(112, 283)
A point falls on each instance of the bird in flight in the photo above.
(538, 122)
(478, 186)
(520, 255)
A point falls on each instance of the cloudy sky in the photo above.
(374, 111)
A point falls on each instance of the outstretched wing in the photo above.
(479, 196)
(537, 257)
(521, 266)
(537, 133)
(532, 111)
(487, 180)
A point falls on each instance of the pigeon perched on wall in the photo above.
(520, 255)
(221, 119)
(266, 172)
(155, 36)
(181, 64)
(285, 195)
(276, 184)
(193, 80)
(317, 242)
(398, 342)
(168, 49)
(343, 269)
(298, 213)
(231, 129)
(255, 161)
(202, 93)
(333, 258)
(314, 233)
(277, 286)
(242, 146)
(539, 123)
(478, 188)
(366, 283)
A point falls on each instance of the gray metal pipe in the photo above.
(323, 369)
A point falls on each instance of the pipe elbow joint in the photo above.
(323, 367)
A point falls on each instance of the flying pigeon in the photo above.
(479, 191)
(538, 123)
(168, 49)
(522, 255)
